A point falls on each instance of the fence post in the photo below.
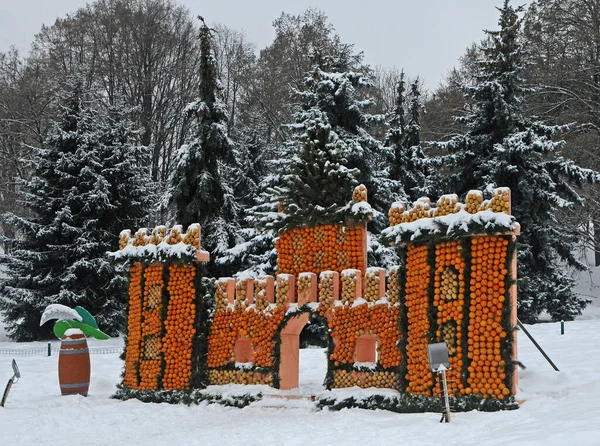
(49, 349)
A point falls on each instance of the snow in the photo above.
(559, 408)
(362, 208)
(60, 312)
(178, 250)
(72, 332)
(450, 223)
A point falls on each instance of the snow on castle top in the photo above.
(450, 218)
(162, 244)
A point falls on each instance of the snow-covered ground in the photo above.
(559, 408)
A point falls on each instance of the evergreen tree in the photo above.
(256, 254)
(342, 94)
(405, 142)
(320, 183)
(504, 148)
(86, 186)
(203, 183)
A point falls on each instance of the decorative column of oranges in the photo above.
(221, 293)
(417, 283)
(283, 245)
(487, 374)
(328, 289)
(500, 200)
(359, 194)
(303, 250)
(261, 300)
(393, 287)
(348, 323)
(356, 247)
(395, 213)
(150, 365)
(134, 327)
(175, 235)
(307, 288)
(192, 235)
(374, 284)
(125, 238)
(140, 238)
(179, 327)
(320, 258)
(158, 235)
(446, 205)
(420, 209)
(473, 201)
(243, 288)
(449, 299)
(351, 286)
(285, 290)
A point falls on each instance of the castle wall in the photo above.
(456, 286)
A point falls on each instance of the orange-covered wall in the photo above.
(322, 248)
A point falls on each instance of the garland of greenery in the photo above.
(402, 322)
(277, 344)
(464, 340)
(188, 397)
(205, 304)
(166, 274)
(141, 297)
(432, 311)
(506, 344)
(411, 403)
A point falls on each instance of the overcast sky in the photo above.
(424, 37)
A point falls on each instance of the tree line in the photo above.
(131, 113)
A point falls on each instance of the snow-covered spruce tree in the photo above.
(319, 186)
(405, 142)
(342, 94)
(504, 148)
(87, 185)
(256, 254)
(203, 183)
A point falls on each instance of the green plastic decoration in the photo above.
(87, 318)
(61, 327)
(68, 318)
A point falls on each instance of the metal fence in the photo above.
(52, 350)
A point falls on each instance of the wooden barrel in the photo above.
(74, 364)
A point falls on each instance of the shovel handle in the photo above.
(8, 386)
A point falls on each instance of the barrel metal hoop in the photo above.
(74, 341)
(74, 386)
(74, 351)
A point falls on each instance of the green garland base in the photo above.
(187, 397)
(403, 403)
(407, 403)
